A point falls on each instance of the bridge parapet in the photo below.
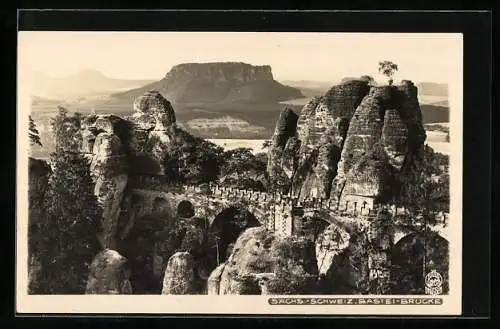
(356, 205)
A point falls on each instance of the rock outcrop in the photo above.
(213, 282)
(385, 133)
(263, 263)
(355, 141)
(152, 121)
(218, 82)
(180, 275)
(356, 258)
(320, 113)
(330, 243)
(118, 148)
(109, 168)
(109, 274)
(416, 254)
(283, 149)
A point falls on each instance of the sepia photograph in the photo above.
(239, 172)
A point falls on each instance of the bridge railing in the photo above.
(309, 205)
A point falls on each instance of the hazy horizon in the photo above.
(322, 57)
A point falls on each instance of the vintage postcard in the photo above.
(239, 173)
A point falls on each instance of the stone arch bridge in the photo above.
(275, 211)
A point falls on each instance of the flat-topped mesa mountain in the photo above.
(355, 141)
(218, 82)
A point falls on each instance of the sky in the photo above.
(324, 57)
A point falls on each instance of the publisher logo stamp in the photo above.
(433, 283)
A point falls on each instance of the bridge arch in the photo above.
(225, 229)
(185, 209)
(313, 226)
(415, 255)
(160, 205)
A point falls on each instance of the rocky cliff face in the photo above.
(118, 148)
(218, 82)
(108, 167)
(330, 243)
(151, 130)
(385, 133)
(354, 141)
(337, 105)
(263, 263)
(283, 149)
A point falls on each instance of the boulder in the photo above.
(262, 262)
(109, 274)
(180, 275)
(213, 282)
(155, 105)
(372, 176)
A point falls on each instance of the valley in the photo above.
(240, 120)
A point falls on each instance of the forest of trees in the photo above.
(65, 221)
(193, 160)
(425, 192)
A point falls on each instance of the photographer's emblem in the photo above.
(433, 283)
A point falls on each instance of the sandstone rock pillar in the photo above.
(179, 276)
(109, 170)
(109, 274)
(213, 282)
(380, 239)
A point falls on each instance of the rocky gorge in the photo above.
(354, 145)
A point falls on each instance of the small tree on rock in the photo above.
(388, 69)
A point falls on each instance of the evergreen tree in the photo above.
(39, 173)
(33, 133)
(70, 224)
(424, 191)
(192, 160)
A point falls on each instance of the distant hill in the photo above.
(81, 84)
(309, 84)
(427, 89)
(434, 113)
(433, 89)
(37, 100)
(224, 82)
